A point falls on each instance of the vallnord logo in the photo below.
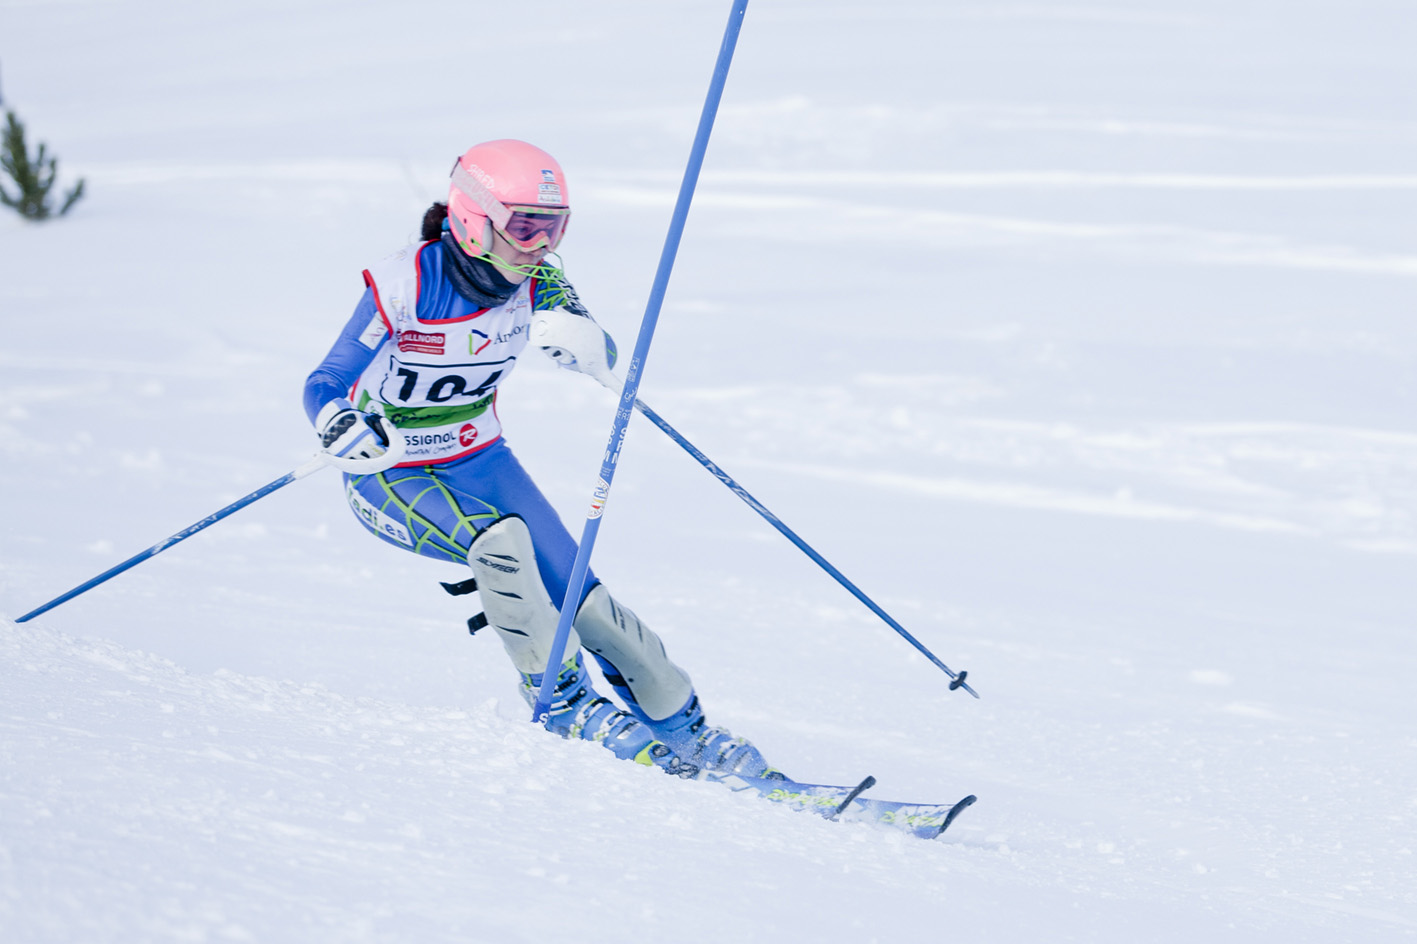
(421, 343)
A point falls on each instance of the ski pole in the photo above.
(577, 343)
(957, 680)
(314, 465)
(542, 709)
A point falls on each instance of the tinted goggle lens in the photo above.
(533, 229)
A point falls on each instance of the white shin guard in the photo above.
(513, 597)
(517, 605)
(616, 635)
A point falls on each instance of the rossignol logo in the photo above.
(421, 343)
(467, 435)
(429, 439)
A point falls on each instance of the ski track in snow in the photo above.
(1351, 485)
(943, 230)
(220, 805)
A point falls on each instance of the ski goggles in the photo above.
(527, 227)
(532, 228)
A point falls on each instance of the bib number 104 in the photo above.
(444, 388)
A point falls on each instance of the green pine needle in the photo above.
(34, 178)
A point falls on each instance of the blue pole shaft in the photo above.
(791, 535)
(182, 535)
(576, 586)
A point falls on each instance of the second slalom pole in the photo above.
(633, 374)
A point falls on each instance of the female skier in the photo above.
(405, 405)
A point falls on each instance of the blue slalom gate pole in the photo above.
(313, 465)
(956, 678)
(633, 374)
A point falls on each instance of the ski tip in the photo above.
(955, 810)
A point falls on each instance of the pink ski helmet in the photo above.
(510, 186)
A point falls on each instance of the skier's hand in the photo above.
(577, 343)
(358, 442)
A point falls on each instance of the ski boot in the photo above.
(714, 750)
(578, 712)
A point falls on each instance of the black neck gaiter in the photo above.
(477, 280)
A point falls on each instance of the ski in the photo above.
(846, 804)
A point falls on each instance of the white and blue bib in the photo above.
(437, 379)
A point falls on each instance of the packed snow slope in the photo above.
(1080, 336)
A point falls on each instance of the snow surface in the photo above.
(1080, 336)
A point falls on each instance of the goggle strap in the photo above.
(474, 189)
(536, 209)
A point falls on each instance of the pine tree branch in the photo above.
(35, 179)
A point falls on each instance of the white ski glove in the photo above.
(577, 343)
(358, 442)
